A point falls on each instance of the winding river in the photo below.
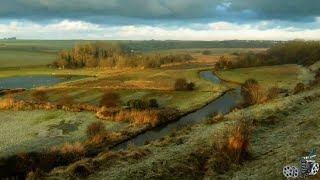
(221, 105)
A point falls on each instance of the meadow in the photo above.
(23, 131)
(283, 76)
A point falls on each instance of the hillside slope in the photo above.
(283, 131)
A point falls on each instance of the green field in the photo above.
(283, 76)
(20, 53)
(31, 52)
(30, 130)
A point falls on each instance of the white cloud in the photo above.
(68, 29)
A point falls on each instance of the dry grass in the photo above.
(231, 151)
(253, 93)
(67, 147)
(215, 119)
(6, 103)
(134, 116)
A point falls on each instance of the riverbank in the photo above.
(175, 155)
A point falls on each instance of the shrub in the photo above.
(153, 103)
(39, 95)
(95, 128)
(190, 86)
(110, 99)
(180, 84)
(298, 88)
(252, 92)
(137, 104)
(206, 52)
(233, 150)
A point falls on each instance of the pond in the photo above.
(31, 81)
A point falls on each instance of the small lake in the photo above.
(31, 81)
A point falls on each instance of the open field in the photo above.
(45, 128)
(138, 84)
(284, 76)
(20, 53)
(213, 51)
(30, 53)
(38, 129)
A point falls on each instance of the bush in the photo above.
(252, 92)
(39, 95)
(190, 86)
(137, 104)
(181, 84)
(110, 99)
(299, 88)
(206, 52)
(140, 104)
(95, 128)
(233, 150)
(153, 103)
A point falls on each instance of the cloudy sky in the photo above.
(161, 19)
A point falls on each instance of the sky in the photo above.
(161, 19)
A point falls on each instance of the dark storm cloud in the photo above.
(142, 11)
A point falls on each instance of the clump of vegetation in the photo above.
(223, 63)
(6, 103)
(232, 151)
(141, 104)
(110, 99)
(181, 84)
(111, 55)
(39, 95)
(134, 116)
(253, 93)
(206, 52)
(95, 128)
(298, 88)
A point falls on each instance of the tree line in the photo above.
(111, 55)
(291, 52)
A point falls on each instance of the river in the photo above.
(221, 105)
